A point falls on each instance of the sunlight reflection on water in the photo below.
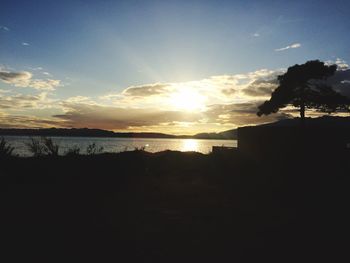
(189, 145)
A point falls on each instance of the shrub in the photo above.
(43, 146)
(73, 151)
(5, 148)
(50, 147)
(35, 147)
(140, 149)
(92, 149)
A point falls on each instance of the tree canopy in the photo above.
(303, 86)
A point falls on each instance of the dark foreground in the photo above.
(176, 207)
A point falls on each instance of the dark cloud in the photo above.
(230, 91)
(95, 116)
(341, 81)
(339, 76)
(19, 101)
(264, 87)
(241, 114)
(13, 77)
(146, 90)
(80, 112)
(24, 79)
(261, 87)
(112, 118)
(21, 121)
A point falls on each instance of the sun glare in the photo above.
(188, 100)
(190, 145)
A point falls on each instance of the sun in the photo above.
(187, 100)
(190, 145)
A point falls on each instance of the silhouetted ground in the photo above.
(176, 207)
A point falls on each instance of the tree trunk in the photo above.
(302, 111)
(302, 131)
(302, 114)
(302, 105)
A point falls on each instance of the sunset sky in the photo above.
(178, 67)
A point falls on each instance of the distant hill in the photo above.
(324, 121)
(225, 135)
(331, 121)
(85, 132)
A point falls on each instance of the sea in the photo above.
(114, 145)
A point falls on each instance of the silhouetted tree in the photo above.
(304, 87)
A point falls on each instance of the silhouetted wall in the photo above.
(279, 140)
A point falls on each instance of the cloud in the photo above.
(24, 79)
(295, 45)
(4, 28)
(36, 68)
(27, 121)
(20, 101)
(262, 87)
(212, 90)
(341, 82)
(341, 64)
(25, 44)
(79, 112)
(114, 118)
(229, 91)
(48, 84)
(15, 77)
(147, 90)
(240, 114)
(228, 101)
(256, 35)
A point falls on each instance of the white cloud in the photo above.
(4, 28)
(228, 101)
(295, 45)
(2, 91)
(224, 102)
(256, 35)
(25, 79)
(213, 90)
(47, 84)
(36, 68)
(341, 63)
(21, 101)
(25, 44)
(40, 70)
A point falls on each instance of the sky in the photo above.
(179, 67)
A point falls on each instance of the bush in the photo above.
(92, 149)
(73, 151)
(140, 149)
(50, 147)
(35, 147)
(43, 146)
(5, 148)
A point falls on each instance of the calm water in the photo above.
(124, 144)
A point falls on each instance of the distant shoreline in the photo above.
(97, 133)
(114, 137)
